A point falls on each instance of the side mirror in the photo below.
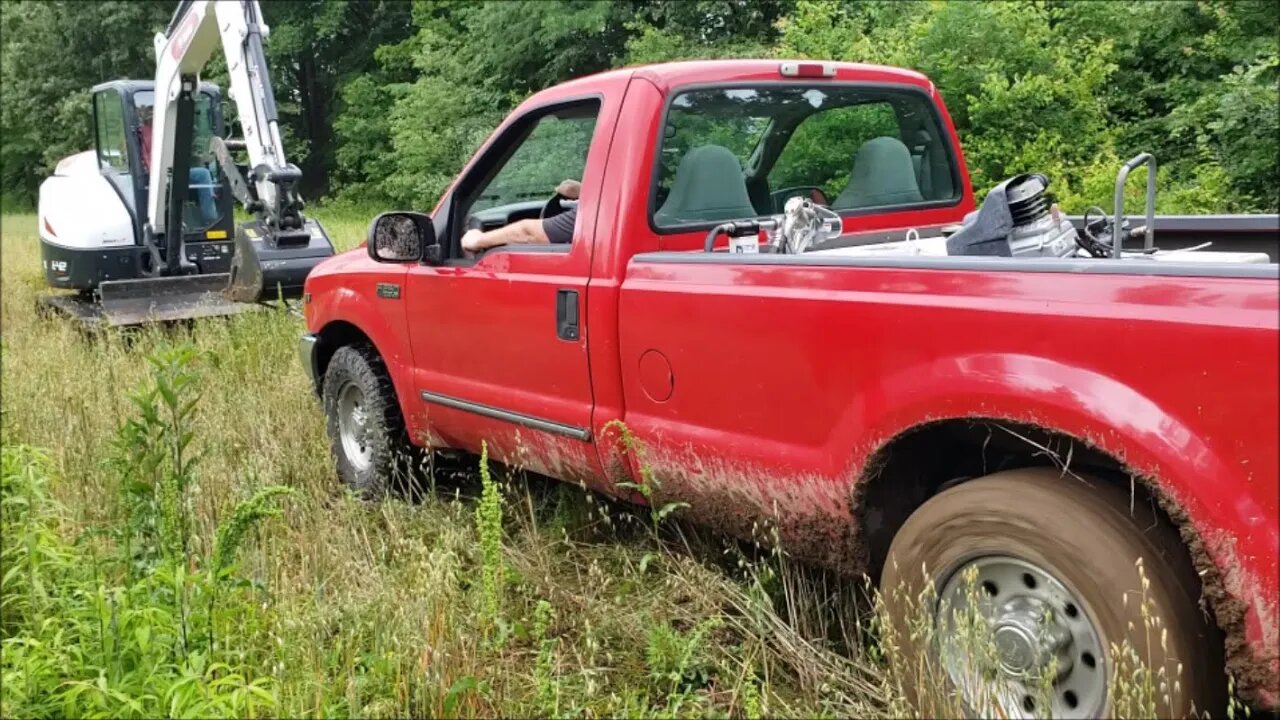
(401, 236)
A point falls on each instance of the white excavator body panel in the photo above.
(79, 209)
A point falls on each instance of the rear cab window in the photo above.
(735, 152)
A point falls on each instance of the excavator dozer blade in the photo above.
(164, 299)
(263, 270)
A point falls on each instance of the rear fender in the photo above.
(1224, 506)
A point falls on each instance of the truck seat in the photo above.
(708, 186)
(883, 174)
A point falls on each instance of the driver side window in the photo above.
(555, 149)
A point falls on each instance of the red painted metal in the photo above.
(792, 377)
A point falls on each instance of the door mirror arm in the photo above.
(432, 254)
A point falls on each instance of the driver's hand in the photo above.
(471, 240)
(570, 189)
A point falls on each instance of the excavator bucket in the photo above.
(123, 303)
(263, 269)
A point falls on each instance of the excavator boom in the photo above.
(275, 252)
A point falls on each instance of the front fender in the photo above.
(1226, 505)
(372, 316)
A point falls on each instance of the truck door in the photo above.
(499, 341)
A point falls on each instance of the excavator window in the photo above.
(108, 116)
(204, 186)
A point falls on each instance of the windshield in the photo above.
(204, 186)
(743, 151)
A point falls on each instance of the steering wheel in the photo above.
(553, 207)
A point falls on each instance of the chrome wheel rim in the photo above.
(353, 426)
(1012, 638)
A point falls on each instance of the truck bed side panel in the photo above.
(787, 378)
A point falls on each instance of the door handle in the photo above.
(567, 314)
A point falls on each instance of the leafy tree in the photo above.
(53, 52)
(383, 101)
(316, 47)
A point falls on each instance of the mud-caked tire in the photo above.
(366, 429)
(1018, 543)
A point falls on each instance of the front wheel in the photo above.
(1029, 586)
(366, 430)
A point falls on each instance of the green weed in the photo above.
(119, 637)
(489, 528)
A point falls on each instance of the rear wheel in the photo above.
(1049, 567)
(366, 430)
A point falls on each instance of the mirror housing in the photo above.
(403, 236)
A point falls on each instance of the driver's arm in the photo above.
(520, 232)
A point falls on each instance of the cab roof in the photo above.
(698, 72)
(128, 87)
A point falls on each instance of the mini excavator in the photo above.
(142, 228)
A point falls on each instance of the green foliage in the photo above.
(489, 528)
(649, 485)
(248, 513)
(677, 660)
(154, 446)
(31, 556)
(150, 628)
(52, 53)
(548, 695)
(382, 102)
(1032, 86)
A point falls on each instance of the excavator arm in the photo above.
(275, 251)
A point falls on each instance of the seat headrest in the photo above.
(883, 174)
(708, 186)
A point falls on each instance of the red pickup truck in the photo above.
(883, 391)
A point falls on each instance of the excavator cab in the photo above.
(123, 111)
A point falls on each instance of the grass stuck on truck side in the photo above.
(176, 543)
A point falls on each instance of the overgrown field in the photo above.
(547, 602)
(176, 544)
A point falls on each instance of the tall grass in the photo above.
(512, 597)
(181, 546)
